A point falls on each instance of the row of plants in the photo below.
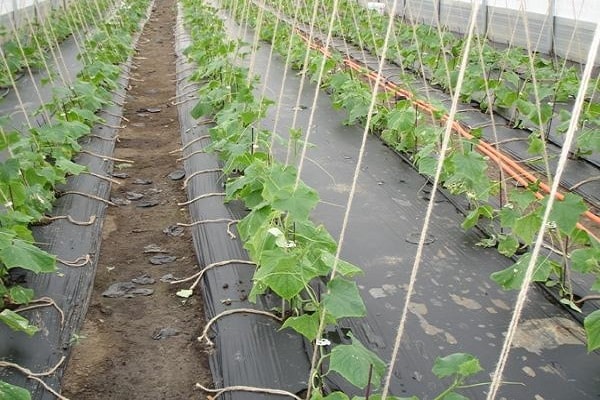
(532, 91)
(40, 158)
(28, 47)
(295, 258)
(512, 224)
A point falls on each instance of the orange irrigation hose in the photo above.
(505, 162)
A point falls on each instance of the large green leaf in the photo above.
(522, 198)
(17, 322)
(459, 364)
(306, 324)
(566, 212)
(353, 362)
(280, 189)
(378, 397)
(512, 277)
(527, 226)
(12, 392)
(586, 260)
(316, 395)
(25, 255)
(592, 330)
(343, 267)
(343, 299)
(281, 273)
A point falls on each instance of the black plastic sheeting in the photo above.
(249, 348)
(455, 307)
(70, 287)
(510, 140)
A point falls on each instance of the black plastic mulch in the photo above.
(249, 349)
(70, 287)
(455, 307)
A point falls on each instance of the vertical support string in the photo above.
(564, 156)
(431, 203)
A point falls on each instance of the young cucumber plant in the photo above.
(38, 160)
(403, 127)
(295, 258)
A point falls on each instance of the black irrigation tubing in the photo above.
(456, 306)
(69, 287)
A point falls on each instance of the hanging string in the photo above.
(256, 38)
(431, 203)
(285, 71)
(30, 72)
(304, 73)
(536, 94)
(52, 39)
(267, 74)
(564, 156)
(15, 88)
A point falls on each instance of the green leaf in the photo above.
(343, 299)
(17, 322)
(525, 107)
(461, 364)
(527, 226)
(566, 212)
(378, 397)
(508, 245)
(12, 392)
(70, 167)
(306, 324)
(586, 260)
(20, 295)
(522, 198)
(536, 144)
(592, 330)
(281, 273)
(471, 220)
(25, 255)
(343, 268)
(353, 362)
(331, 396)
(454, 396)
(512, 277)
(201, 109)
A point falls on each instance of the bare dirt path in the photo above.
(143, 346)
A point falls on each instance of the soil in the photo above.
(120, 352)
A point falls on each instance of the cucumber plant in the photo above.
(295, 258)
(465, 170)
(41, 157)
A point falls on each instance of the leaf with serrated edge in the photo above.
(353, 362)
(591, 323)
(306, 324)
(343, 299)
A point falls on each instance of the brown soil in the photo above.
(116, 356)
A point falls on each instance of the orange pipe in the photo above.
(505, 162)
